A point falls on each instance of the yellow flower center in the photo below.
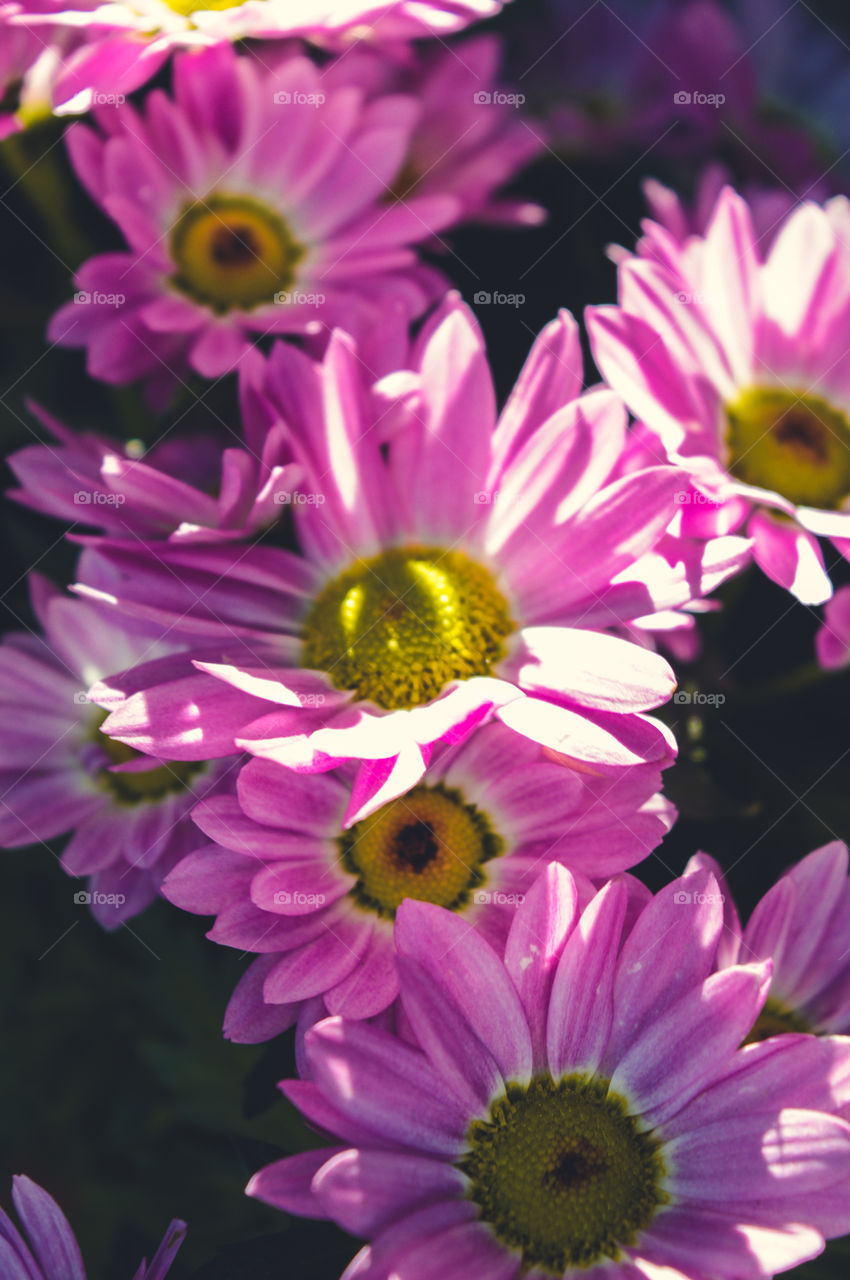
(563, 1172)
(427, 845)
(149, 785)
(233, 252)
(188, 7)
(398, 628)
(796, 445)
(776, 1019)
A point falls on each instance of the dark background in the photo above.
(117, 1091)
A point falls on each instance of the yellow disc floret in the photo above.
(398, 628)
(798, 445)
(429, 845)
(233, 252)
(563, 1173)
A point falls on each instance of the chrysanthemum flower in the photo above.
(802, 925)
(454, 573)
(737, 362)
(286, 879)
(293, 211)
(688, 79)
(187, 487)
(580, 1109)
(129, 814)
(50, 1251)
(128, 41)
(30, 62)
(470, 138)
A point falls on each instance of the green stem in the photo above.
(37, 171)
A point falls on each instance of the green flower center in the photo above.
(428, 845)
(149, 785)
(398, 628)
(777, 1019)
(797, 445)
(233, 251)
(563, 1173)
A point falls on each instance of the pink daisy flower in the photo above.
(186, 488)
(50, 1251)
(471, 137)
(272, 216)
(735, 359)
(128, 814)
(287, 879)
(802, 925)
(129, 40)
(578, 1109)
(30, 61)
(456, 573)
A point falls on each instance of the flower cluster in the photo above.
(374, 665)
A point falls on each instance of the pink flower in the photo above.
(52, 1252)
(734, 358)
(833, 639)
(128, 41)
(471, 137)
(802, 925)
(128, 814)
(452, 574)
(286, 879)
(253, 201)
(580, 1108)
(187, 488)
(30, 62)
